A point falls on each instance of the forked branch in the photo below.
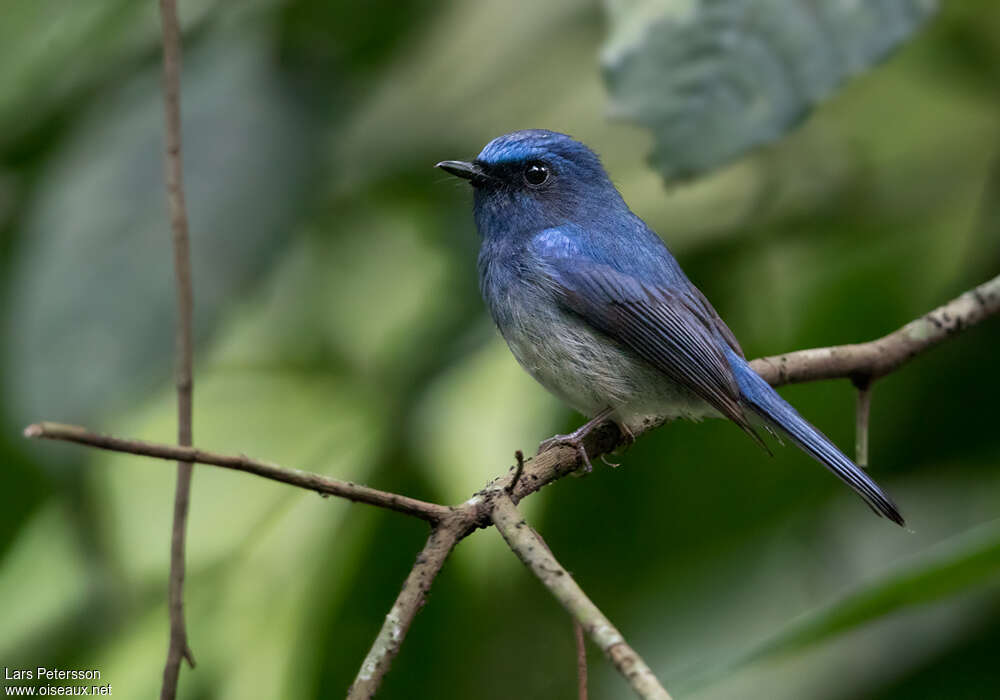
(534, 554)
(496, 504)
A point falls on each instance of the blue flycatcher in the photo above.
(594, 306)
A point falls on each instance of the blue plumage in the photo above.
(594, 306)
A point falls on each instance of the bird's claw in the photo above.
(569, 441)
(627, 434)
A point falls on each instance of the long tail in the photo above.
(778, 413)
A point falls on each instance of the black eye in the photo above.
(536, 174)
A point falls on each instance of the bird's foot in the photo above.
(573, 440)
(626, 433)
(629, 441)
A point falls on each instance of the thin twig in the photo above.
(179, 648)
(862, 413)
(529, 549)
(410, 599)
(430, 512)
(518, 470)
(581, 660)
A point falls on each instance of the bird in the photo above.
(595, 307)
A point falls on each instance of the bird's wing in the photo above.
(669, 329)
(718, 323)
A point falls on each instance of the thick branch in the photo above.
(430, 512)
(536, 556)
(880, 357)
(410, 599)
(182, 268)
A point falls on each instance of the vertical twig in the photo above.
(182, 268)
(581, 661)
(862, 413)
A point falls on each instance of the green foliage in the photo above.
(91, 284)
(968, 561)
(340, 330)
(713, 78)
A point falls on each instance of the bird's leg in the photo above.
(576, 438)
(626, 432)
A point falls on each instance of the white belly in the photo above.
(591, 372)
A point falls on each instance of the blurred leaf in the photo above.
(337, 35)
(505, 88)
(969, 665)
(252, 611)
(260, 554)
(466, 428)
(953, 567)
(383, 286)
(43, 578)
(291, 570)
(713, 78)
(324, 424)
(49, 49)
(92, 298)
(475, 415)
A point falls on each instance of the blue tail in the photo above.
(778, 413)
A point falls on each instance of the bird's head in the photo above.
(534, 179)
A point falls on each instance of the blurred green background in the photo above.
(340, 330)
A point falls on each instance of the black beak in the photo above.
(459, 168)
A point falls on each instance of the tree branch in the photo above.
(325, 486)
(880, 357)
(870, 360)
(410, 599)
(578, 634)
(179, 648)
(529, 548)
(496, 504)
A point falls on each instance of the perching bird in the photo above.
(596, 309)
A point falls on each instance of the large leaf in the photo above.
(713, 78)
(41, 592)
(50, 50)
(963, 563)
(92, 295)
(945, 572)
